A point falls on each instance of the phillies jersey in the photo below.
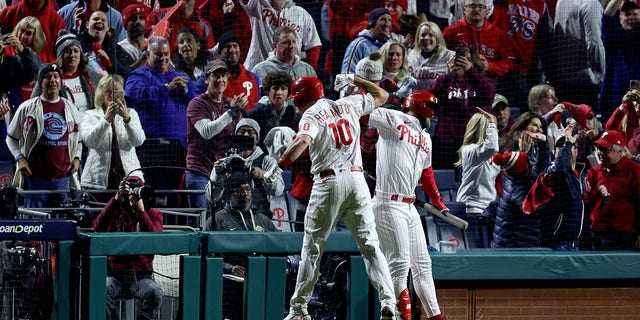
(426, 70)
(402, 140)
(519, 19)
(334, 127)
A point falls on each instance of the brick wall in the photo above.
(541, 304)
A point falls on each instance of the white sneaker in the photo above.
(298, 317)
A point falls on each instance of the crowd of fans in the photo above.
(92, 90)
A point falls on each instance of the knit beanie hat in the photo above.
(248, 122)
(370, 68)
(133, 10)
(374, 15)
(66, 39)
(402, 3)
(46, 68)
(227, 37)
(512, 162)
(580, 112)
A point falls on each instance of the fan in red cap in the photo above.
(514, 163)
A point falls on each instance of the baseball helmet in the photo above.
(421, 102)
(306, 89)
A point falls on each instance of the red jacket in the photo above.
(49, 18)
(166, 22)
(108, 221)
(246, 82)
(489, 41)
(629, 128)
(621, 212)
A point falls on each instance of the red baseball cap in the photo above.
(610, 138)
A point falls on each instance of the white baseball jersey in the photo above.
(335, 129)
(403, 151)
(426, 70)
(265, 19)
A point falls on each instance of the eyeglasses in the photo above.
(242, 190)
(475, 6)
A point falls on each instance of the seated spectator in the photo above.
(267, 17)
(613, 196)
(164, 23)
(100, 48)
(429, 56)
(19, 64)
(77, 13)
(562, 217)
(285, 56)
(46, 158)
(460, 91)
(501, 110)
(478, 183)
(525, 157)
(394, 61)
(78, 81)
(273, 110)
(131, 275)
(377, 33)
(237, 215)
(44, 11)
(133, 45)
(190, 56)
(211, 118)
(257, 164)
(111, 131)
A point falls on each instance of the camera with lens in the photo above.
(233, 162)
(143, 192)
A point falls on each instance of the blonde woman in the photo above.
(394, 62)
(28, 40)
(478, 186)
(110, 160)
(429, 56)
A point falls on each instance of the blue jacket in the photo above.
(562, 218)
(163, 113)
(514, 229)
(358, 49)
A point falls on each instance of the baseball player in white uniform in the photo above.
(331, 130)
(404, 159)
(266, 16)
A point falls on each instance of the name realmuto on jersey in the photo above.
(16, 229)
(405, 134)
(333, 111)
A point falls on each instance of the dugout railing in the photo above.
(264, 298)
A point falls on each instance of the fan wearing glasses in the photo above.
(487, 42)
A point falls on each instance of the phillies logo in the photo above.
(278, 214)
(405, 135)
(248, 86)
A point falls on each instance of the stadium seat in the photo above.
(447, 183)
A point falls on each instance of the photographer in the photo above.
(254, 162)
(129, 211)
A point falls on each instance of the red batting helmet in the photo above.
(421, 102)
(305, 90)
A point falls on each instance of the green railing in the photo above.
(201, 271)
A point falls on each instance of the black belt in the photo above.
(332, 172)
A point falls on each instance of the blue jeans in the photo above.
(40, 200)
(194, 181)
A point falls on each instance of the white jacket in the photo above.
(96, 133)
(22, 135)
